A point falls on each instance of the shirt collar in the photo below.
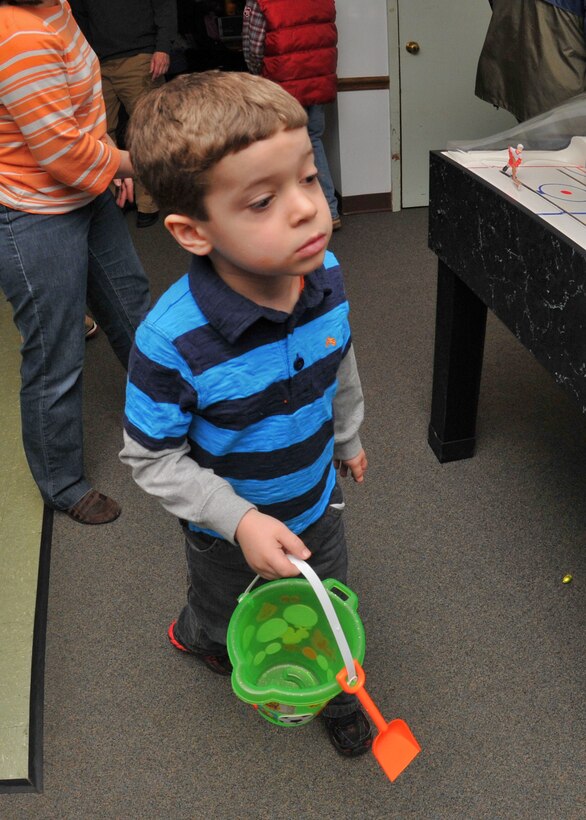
(232, 314)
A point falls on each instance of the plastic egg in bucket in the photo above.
(288, 639)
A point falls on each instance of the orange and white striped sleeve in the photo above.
(50, 88)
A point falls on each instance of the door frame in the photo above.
(394, 101)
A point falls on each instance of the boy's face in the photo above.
(267, 213)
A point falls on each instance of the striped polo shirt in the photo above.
(52, 115)
(250, 388)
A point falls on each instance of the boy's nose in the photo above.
(303, 206)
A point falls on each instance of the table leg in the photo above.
(459, 345)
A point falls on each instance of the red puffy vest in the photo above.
(300, 48)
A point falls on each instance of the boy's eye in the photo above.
(311, 178)
(261, 204)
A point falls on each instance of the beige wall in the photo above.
(358, 140)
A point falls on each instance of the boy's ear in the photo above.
(189, 233)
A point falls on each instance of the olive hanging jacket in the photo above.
(534, 55)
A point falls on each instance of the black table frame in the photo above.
(494, 253)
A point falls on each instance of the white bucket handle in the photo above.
(330, 613)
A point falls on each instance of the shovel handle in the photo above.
(358, 689)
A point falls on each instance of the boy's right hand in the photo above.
(264, 541)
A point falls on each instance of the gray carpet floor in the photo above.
(471, 635)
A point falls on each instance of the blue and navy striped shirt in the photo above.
(250, 388)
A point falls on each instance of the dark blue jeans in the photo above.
(315, 127)
(50, 267)
(219, 574)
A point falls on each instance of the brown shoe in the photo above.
(145, 220)
(91, 327)
(94, 508)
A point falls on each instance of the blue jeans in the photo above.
(50, 267)
(218, 574)
(315, 126)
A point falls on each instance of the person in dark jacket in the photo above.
(534, 55)
(294, 44)
(133, 42)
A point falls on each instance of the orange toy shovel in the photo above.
(395, 746)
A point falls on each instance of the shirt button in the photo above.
(298, 363)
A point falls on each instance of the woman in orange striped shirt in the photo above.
(63, 239)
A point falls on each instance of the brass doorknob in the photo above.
(412, 47)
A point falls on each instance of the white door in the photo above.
(437, 99)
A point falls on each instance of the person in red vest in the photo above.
(295, 45)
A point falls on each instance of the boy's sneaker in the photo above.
(220, 664)
(350, 734)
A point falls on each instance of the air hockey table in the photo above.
(518, 251)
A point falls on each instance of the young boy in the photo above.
(243, 395)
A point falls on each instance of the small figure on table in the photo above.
(515, 160)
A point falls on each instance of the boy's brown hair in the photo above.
(179, 131)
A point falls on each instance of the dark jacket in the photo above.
(300, 48)
(534, 55)
(121, 28)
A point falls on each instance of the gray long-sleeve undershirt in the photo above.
(197, 494)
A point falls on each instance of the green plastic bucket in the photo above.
(284, 652)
